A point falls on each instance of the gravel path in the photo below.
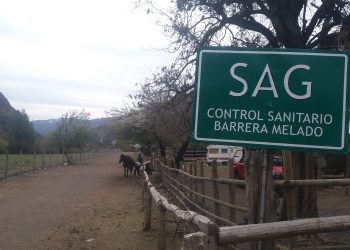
(86, 206)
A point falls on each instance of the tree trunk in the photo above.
(252, 172)
(181, 152)
(304, 168)
(162, 149)
(304, 165)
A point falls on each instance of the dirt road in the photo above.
(87, 206)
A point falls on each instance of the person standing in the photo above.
(140, 159)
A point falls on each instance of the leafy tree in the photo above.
(161, 114)
(16, 131)
(20, 133)
(259, 23)
(129, 128)
(46, 143)
(72, 131)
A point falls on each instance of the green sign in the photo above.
(292, 99)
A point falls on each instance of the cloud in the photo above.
(73, 54)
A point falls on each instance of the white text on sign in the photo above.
(272, 87)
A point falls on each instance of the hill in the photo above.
(6, 111)
(5, 106)
(16, 131)
(45, 127)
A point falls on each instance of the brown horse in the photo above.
(128, 164)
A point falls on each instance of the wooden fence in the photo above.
(208, 228)
(191, 189)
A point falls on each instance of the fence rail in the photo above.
(190, 190)
(282, 229)
(187, 186)
(149, 193)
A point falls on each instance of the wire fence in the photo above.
(18, 164)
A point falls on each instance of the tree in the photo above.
(158, 116)
(20, 133)
(72, 131)
(192, 24)
(263, 23)
(166, 101)
(45, 143)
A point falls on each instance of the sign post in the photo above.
(286, 99)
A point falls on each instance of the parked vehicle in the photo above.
(277, 169)
(222, 153)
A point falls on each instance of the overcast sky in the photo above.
(61, 55)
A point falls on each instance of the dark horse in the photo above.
(128, 164)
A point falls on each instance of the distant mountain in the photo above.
(5, 106)
(99, 122)
(45, 127)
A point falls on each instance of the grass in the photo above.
(17, 163)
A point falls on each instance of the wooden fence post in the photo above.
(21, 163)
(49, 157)
(265, 200)
(56, 161)
(201, 173)
(34, 161)
(289, 192)
(182, 178)
(6, 164)
(63, 156)
(143, 191)
(252, 172)
(42, 160)
(190, 182)
(185, 178)
(195, 173)
(214, 171)
(148, 211)
(232, 191)
(161, 227)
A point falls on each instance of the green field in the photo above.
(13, 164)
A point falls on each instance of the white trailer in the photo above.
(222, 153)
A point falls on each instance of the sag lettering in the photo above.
(272, 87)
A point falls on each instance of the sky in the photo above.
(60, 55)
